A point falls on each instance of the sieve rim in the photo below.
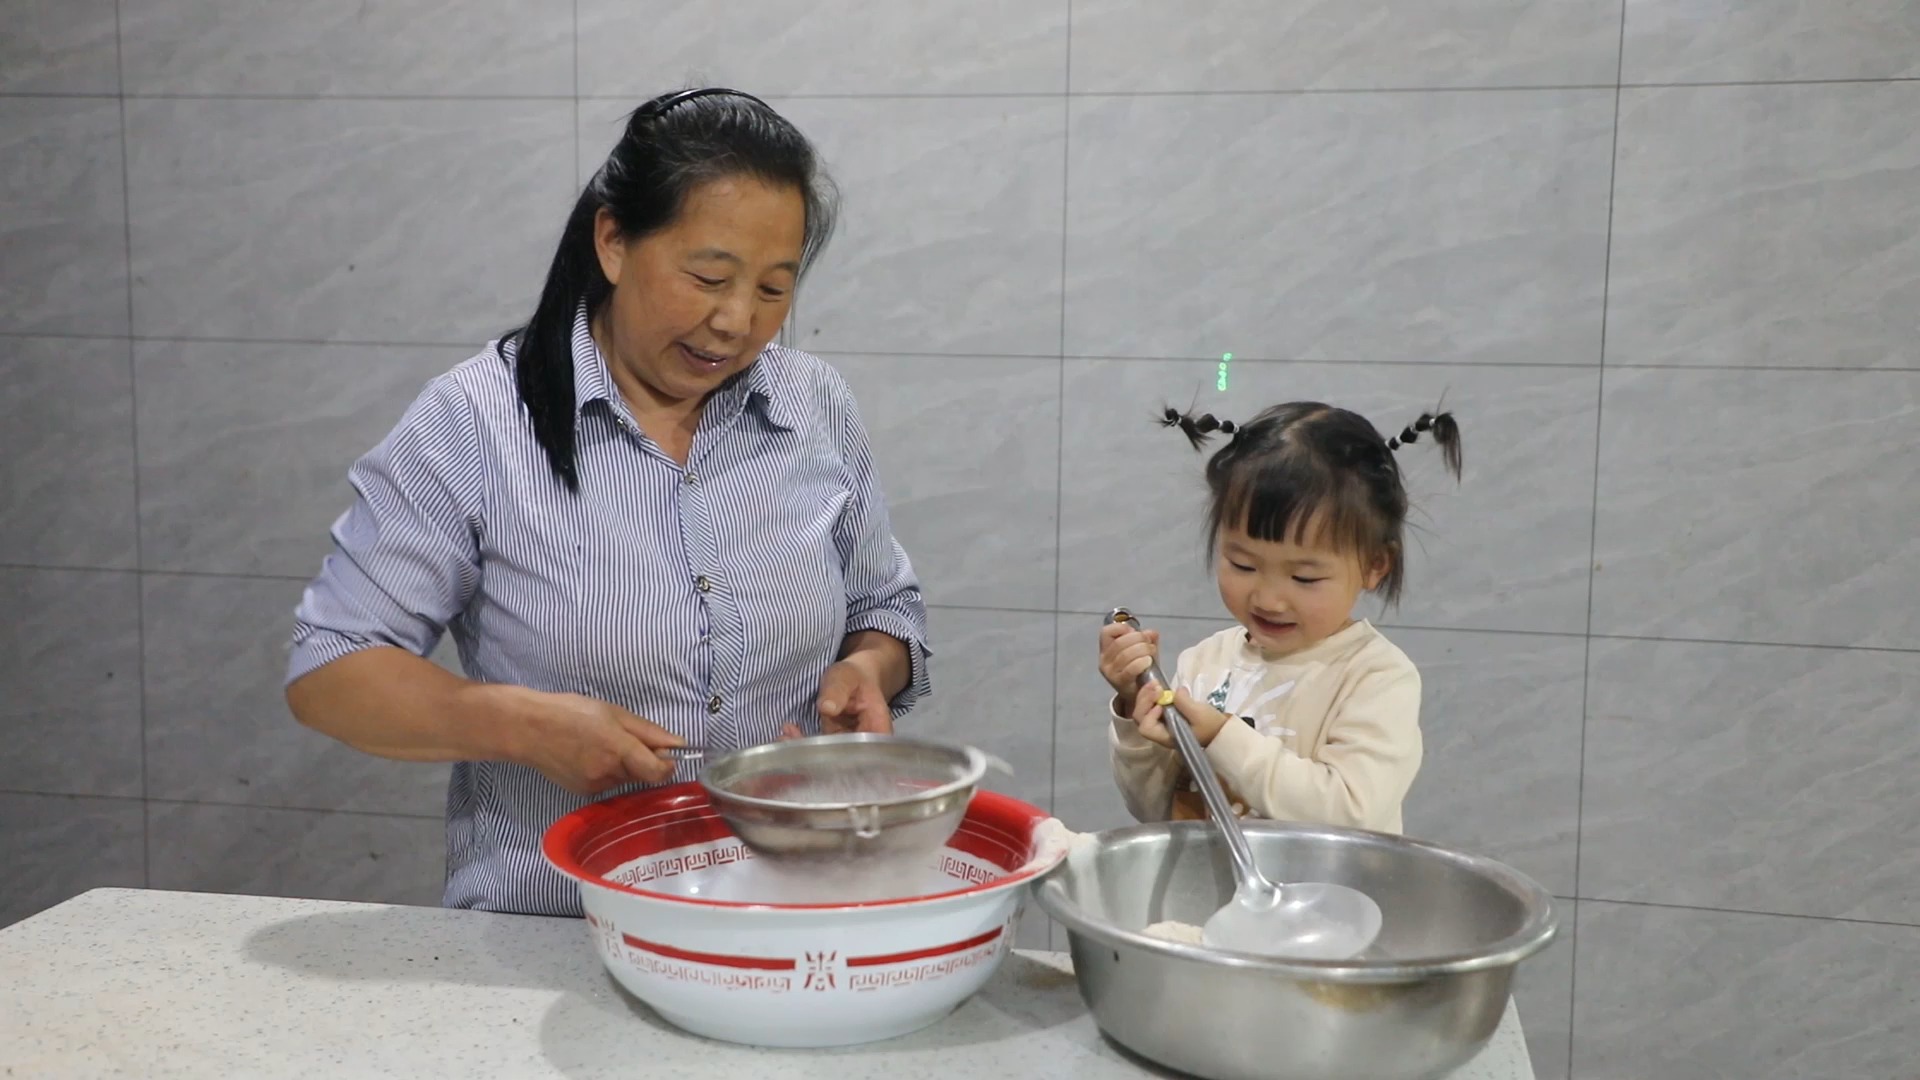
(976, 771)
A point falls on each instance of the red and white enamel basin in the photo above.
(679, 911)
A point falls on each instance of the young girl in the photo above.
(1306, 713)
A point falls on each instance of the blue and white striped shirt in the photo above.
(708, 599)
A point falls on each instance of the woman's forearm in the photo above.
(388, 702)
(883, 655)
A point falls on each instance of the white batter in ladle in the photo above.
(1307, 920)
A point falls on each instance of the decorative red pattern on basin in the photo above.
(924, 954)
(770, 963)
(756, 963)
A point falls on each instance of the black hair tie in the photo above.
(1411, 433)
(1197, 428)
(660, 106)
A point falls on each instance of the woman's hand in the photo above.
(588, 746)
(851, 700)
(1125, 655)
(857, 692)
(389, 702)
(1150, 716)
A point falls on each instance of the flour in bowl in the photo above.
(1184, 933)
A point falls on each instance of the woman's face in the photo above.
(694, 303)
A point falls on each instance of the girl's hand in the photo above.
(1148, 714)
(1125, 655)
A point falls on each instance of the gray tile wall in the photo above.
(1659, 254)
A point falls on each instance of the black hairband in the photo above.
(659, 107)
(1411, 433)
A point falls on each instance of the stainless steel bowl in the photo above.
(1416, 1006)
(845, 797)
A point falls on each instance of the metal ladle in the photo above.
(1308, 920)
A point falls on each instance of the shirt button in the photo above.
(703, 584)
(713, 705)
(692, 478)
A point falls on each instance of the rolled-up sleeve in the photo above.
(406, 555)
(883, 593)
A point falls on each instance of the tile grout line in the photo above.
(1334, 91)
(1599, 409)
(1893, 650)
(1530, 365)
(1898, 650)
(133, 435)
(1491, 365)
(397, 98)
(1593, 544)
(1731, 643)
(191, 339)
(1709, 909)
(1060, 424)
(1721, 84)
(578, 181)
(155, 573)
(151, 802)
(1272, 92)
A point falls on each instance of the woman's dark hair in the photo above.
(672, 145)
(1308, 466)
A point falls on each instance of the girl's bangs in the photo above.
(1279, 502)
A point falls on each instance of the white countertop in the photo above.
(136, 983)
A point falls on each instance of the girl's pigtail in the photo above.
(1196, 428)
(1446, 435)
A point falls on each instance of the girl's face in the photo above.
(1289, 595)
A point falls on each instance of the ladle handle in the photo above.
(1245, 869)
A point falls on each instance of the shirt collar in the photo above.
(591, 380)
(759, 384)
(763, 386)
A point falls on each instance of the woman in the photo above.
(645, 524)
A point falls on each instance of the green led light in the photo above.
(1221, 382)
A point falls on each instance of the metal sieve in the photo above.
(837, 797)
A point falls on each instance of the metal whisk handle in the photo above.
(1204, 777)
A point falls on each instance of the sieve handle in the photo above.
(992, 761)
